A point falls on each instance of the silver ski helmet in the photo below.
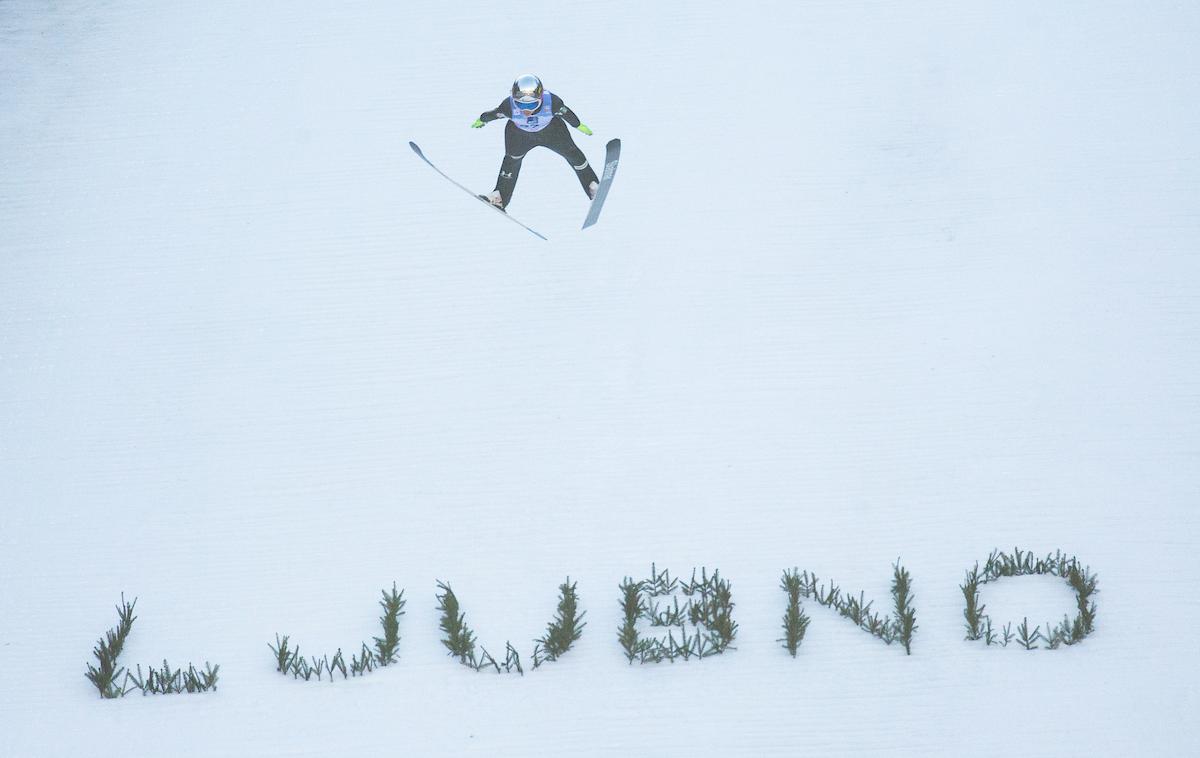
(527, 92)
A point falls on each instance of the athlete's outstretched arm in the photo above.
(562, 111)
(499, 112)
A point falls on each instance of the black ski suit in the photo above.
(518, 142)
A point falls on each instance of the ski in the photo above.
(612, 155)
(421, 155)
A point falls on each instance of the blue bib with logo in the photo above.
(534, 122)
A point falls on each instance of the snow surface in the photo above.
(926, 285)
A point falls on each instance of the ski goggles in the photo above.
(531, 105)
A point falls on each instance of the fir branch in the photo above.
(564, 630)
(632, 608)
(105, 675)
(905, 623)
(795, 622)
(393, 608)
(459, 640)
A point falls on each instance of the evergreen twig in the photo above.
(564, 630)
(795, 622)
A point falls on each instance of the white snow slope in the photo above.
(875, 280)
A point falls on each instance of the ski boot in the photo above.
(494, 200)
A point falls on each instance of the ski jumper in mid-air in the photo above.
(537, 118)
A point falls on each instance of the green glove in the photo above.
(584, 128)
(477, 125)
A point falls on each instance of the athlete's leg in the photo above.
(516, 145)
(557, 138)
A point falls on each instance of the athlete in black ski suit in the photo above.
(518, 141)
